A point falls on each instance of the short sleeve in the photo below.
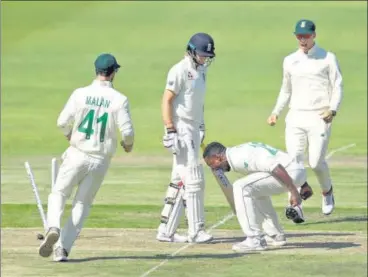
(173, 82)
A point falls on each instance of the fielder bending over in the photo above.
(182, 112)
(89, 120)
(268, 171)
(312, 82)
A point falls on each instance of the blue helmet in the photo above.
(201, 44)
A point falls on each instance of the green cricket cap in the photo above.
(304, 26)
(106, 63)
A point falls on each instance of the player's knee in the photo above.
(194, 178)
(242, 189)
(317, 164)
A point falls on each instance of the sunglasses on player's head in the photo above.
(305, 36)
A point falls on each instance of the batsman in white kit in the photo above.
(313, 86)
(183, 117)
(89, 120)
(268, 171)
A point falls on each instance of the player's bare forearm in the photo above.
(281, 174)
(166, 108)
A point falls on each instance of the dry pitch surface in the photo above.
(132, 252)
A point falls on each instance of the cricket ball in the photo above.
(40, 237)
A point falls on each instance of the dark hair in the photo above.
(105, 73)
(214, 148)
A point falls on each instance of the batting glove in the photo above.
(170, 140)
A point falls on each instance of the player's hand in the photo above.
(272, 119)
(170, 140)
(127, 148)
(327, 115)
(295, 199)
(202, 132)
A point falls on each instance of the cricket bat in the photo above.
(224, 184)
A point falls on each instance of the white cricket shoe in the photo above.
(48, 243)
(201, 237)
(295, 214)
(60, 255)
(276, 240)
(328, 202)
(250, 244)
(174, 238)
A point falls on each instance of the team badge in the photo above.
(190, 76)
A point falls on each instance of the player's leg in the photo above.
(249, 212)
(82, 202)
(71, 170)
(254, 210)
(296, 141)
(318, 137)
(194, 185)
(173, 207)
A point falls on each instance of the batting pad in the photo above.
(194, 187)
(173, 208)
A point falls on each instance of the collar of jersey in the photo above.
(311, 51)
(102, 83)
(189, 61)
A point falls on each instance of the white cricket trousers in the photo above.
(306, 129)
(77, 168)
(253, 203)
(186, 168)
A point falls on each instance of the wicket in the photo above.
(54, 172)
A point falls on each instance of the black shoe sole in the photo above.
(292, 214)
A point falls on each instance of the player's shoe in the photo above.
(295, 214)
(250, 244)
(201, 237)
(174, 238)
(48, 243)
(60, 255)
(328, 202)
(276, 240)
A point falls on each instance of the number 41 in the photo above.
(88, 120)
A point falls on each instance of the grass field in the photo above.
(48, 49)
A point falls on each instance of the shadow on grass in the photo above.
(319, 245)
(339, 220)
(288, 235)
(161, 257)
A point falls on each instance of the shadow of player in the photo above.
(162, 257)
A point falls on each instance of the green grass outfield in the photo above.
(48, 50)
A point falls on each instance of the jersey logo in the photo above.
(302, 24)
(209, 47)
(190, 76)
(245, 165)
(170, 83)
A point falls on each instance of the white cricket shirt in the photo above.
(94, 114)
(254, 157)
(311, 81)
(189, 85)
